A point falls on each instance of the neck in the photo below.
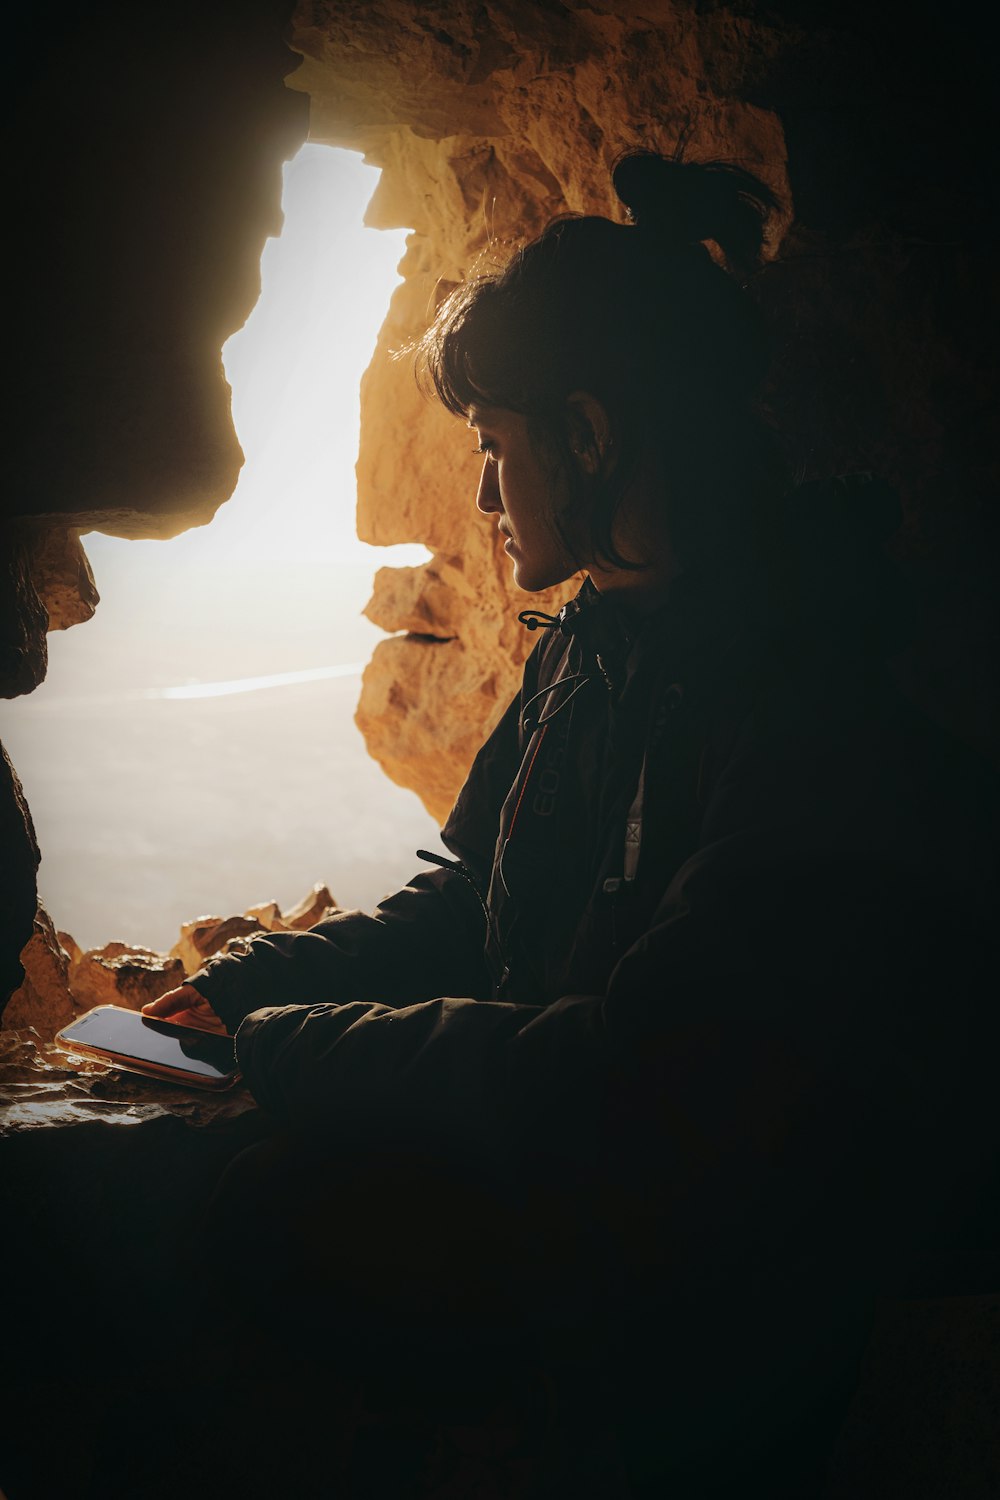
(640, 591)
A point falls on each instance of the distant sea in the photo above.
(151, 811)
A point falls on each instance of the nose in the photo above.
(488, 494)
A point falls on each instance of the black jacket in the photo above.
(726, 931)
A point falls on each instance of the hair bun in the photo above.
(685, 203)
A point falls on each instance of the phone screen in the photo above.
(142, 1040)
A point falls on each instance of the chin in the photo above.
(534, 580)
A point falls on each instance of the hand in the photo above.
(185, 1007)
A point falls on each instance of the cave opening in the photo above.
(193, 748)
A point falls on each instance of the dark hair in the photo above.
(643, 318)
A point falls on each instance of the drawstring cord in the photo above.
(520, 798)
(535, 619)
(580, 678)
(568, 621)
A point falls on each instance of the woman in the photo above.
(685, 920)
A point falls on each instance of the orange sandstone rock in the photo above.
(205, 937)
(120, 974)
(44, 999)
(314, 906)
(61, 574)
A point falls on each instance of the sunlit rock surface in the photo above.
(61, 573)
(314, 906)
(61, 980)
(41, 1085)
(44, 1000)
(206, 937)
(203, 938)
(123, 974)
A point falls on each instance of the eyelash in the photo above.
(488, 450)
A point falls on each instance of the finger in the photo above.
(171, 1002)
(200, 1020)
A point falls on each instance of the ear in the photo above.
(589, 430)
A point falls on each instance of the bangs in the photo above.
(445, 353)
(487, 347)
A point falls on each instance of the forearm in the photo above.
(424, 941)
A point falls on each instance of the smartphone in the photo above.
(180, 1054)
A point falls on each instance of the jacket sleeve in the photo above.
(426, 940)
(711, 956)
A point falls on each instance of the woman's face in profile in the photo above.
(525, 495)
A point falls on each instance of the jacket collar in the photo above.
(696, 623)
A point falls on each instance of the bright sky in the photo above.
(156, 792)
